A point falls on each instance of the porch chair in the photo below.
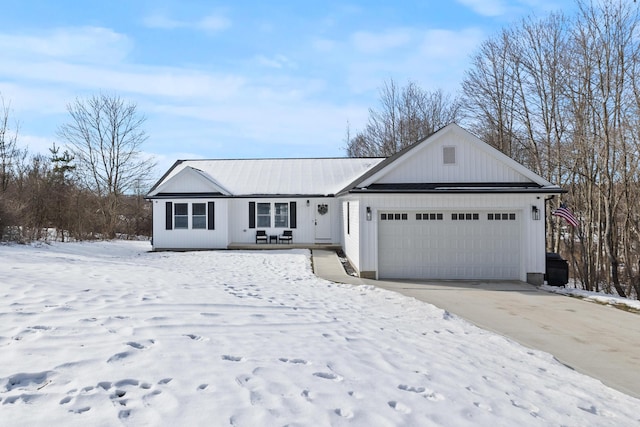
(261, 236)
(287, 236)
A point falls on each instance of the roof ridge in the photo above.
(281, 158)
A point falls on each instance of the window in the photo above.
(348, 218)
(267, 215)
(449, 155)
(264, 215)
(394, 216)
(199, 215)
(181, 215)
(465, 217)
(281, 219)
(501, 217)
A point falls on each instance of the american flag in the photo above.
(564, 212)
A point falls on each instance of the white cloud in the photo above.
(213, 23)
(368, 42)
(161, 21)
(486, 7)
(277, 61)
(87, 44)
(210, 23)
(447, 44)
(157, 81)
(37, 144)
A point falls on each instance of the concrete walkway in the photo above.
(600, 341)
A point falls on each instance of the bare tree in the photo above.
(10, 154)
(406, 116)
(562, 96)
(490, 93)
(105, 135)
(11, 158)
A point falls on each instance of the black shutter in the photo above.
(168, 215)
(293, 215)
(211, 218)
(252, 214)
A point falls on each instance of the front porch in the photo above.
(280, 246)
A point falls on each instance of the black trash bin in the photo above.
(557, 270)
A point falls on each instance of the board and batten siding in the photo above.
(189, 238)
(471, 165)
(303, 233)
(351, 231)
(532, 244)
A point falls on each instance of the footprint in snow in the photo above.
(294, 361)
(483, 406)
(119, 356)
(399, 406)
(105, 385)
(345, 413)
(411, 389)
(232, 358)
(126, 382)
(328, 376)
(30, 380)
(135, 345)
(434, 397)
(194, 337)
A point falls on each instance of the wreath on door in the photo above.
(323, 209)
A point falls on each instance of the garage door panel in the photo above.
(477, 247)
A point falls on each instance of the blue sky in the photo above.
(237, 79)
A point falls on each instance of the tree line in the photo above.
(560, 94)
(92, 189)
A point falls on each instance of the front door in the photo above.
(323, 222)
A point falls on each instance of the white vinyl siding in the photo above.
(431, 164)
(190, 238)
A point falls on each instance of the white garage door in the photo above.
(449, 245)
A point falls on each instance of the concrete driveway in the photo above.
(600, 341)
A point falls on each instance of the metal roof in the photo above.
(244, 177)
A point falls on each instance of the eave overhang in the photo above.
(242, 196)
(458, 188)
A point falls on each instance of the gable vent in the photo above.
(449, 155)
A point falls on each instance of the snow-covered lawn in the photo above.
(599, 297)
(103, 334)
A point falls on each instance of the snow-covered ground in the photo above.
(599, 297)
(103, 334)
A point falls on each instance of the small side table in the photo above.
(273, 237)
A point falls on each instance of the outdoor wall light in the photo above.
(368, 213)
(307, 202)
(535, 212)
